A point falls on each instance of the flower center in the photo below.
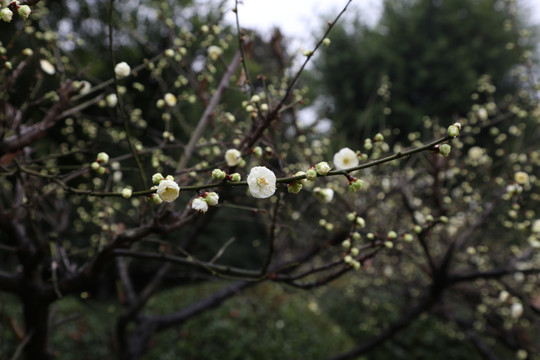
(262, 182)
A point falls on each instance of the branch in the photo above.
(203, 121)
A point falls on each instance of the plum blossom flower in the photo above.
(170, 99)
(126, 193)
(345, 158)
(233, 157)
(261, 182)
(516, 310)
(47, 67)
(214, 52)
(199, 204)
(122, 69)
(168, 190)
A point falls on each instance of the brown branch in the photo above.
(30, 134)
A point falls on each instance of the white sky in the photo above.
(298, 19)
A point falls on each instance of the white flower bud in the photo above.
(122, 69)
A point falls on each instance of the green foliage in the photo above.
(268, 322)
(424, 58)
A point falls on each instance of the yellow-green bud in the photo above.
(322, 168)
(236, 177)
(156, 178)
(311, 174)
(218, 174)
(445, 149)
(453, 131)
(294, 187)
(102, 158)
(24, 11)
(126, 193)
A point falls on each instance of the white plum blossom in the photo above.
(47, 67)
(199, 204)
(170, 99)
(126, 193)
(516, 310)
(233, 157)
(122, 69)
(345, 158)
(522, 178)
(326, 195)
(168, 190)
(214, 52)
(261, 182)
(111, 100)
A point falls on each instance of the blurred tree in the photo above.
(423, 58)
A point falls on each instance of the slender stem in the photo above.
(121, 103)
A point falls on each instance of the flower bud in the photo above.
(126, 193)
(392, 235)
(218, 174)
(294, 187)
(326, 41)
(156, 178)
(102, 158)
(6, 15)
(378, 137)
(311, 174)
(322, 168)
(95, 166)
(235, 177)
(453, 131)
(212, 198)
(155, 199)
(346, 243)
(24, 11)
(354, 251)
(356, 185)
(360, 222)
(445, 149)
(122, 69)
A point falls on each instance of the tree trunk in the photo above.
(36, 321)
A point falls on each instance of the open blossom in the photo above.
(345, 158)
(233, 157)
(261, 182)
(122, 69)
(199, 204)
(168, 190)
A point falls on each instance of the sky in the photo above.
(298, 19)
